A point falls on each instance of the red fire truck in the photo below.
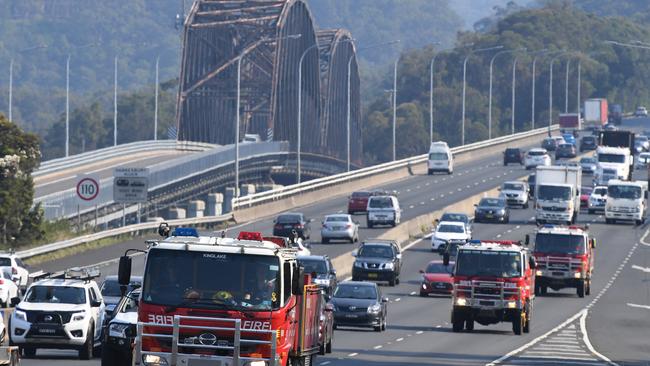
(493, 282)
(565, 258)
(221, 301)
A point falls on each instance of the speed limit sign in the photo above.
(87, 188)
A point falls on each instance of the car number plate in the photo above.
(46, 331)
(558, 274)
(351, 316)
(372, 275)
(487, 303)
(489, 216)
(440, 285)
(337, 228)
(288, 226)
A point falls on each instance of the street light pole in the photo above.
(579, 92)
(395, 109)
(433, 60)
(115, 105)
(490, 92)
(534, 77)
(155, 112)
(514, 91)
(11, 87)
(566, 87)
(67, 106)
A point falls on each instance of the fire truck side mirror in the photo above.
(532, 262)
(527, 241)
(124, 271)
(445, 259)
(298, 281)
(593, 243)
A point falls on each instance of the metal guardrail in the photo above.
(54, 165)
(48, 248)
(273, 195)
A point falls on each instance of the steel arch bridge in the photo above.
(217, 32)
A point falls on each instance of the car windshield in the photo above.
(355, 292)
(555, 243)
(451, 229)
(211, 280)
(588, 161)
(380, 202)
(600, 191)
(455, 218)
(312, 265)
(566, 146)
(589, 139)
(288, 219)
(112, 288)
(337, 219)
(56, 295)
(554, 193)
(375, 251)
(536, 153)
(629, 192)
(360, 194)
(488, 263)
(512, 151)
(438, 156)
(5, 262)
(131, 303)
(611, 158)
(439, 267)
(490, 202)
(513, 187)
(611, 172)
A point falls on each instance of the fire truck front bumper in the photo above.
(165, 359)
(487, 315)
(558, 279)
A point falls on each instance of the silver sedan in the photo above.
(339, 227)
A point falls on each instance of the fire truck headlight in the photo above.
(256, 363)
(512, 304)
(577, 275)
(154, 360)
(539, 273)
(460, 301)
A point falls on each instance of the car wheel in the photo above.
(370, 224)
(377, 328)
(526, 205)
(111, 358)
(422, 294)
(28, 352)
(86, 351)
(385, 323)
(590, 211)
(326, 241)
(469, 325)
(391, 282)
(397, 280)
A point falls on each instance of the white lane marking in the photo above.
(412, 293)
(642, 269)
(398, 299)
(399, 339)
(638, 306)
(325, 363)
(353, 354)
(585, 338)
(419, 332)
(411, 206)
(377, 347)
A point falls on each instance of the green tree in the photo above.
(19, 156)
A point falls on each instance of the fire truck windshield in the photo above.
(555, 243)
(488, 263)
(193, 279)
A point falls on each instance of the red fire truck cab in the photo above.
(223, 301)
(493, 282)
(565, 259)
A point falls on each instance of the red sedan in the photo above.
(584, 197)
(436, 279)
(358, 202)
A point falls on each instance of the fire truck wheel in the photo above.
(469, 325)
(588, 289)
(518, 322)
(527, 322)
(457, 325)
(581, 289)
(328, 346)
(609, 221)
(321, 350)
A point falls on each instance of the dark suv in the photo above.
(286, 223)
(588, 143)
(322, 267)
(513, 155)
(377, 262)
(549, 144)
(565, 151)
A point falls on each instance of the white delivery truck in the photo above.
(557, 194)
(626, 201)
(615, 160)
(440, 158)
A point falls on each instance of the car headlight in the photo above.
(117, 330)
(77, 317)
(21, 315)
(389, 265)
(322, 281)
(154, 360)
(358, 264)
(374, 309)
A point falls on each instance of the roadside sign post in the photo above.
(130, 185)
(87, 188)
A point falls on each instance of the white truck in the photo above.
(613, 163)
(557, 194)
(626, 201)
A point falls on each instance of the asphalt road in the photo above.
(419, 331)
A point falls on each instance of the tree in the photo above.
(19, 156)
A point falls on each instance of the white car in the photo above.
(449, 232)
(515, 193)
(597, 199)
(536, 157)
(9, 294)
(339, 227)
(641, 112)
(642, 160)
(383, 210)
(66, 312)
(19, 270)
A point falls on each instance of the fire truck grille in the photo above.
(495, 291)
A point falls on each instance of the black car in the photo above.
(322, 268)
(377, 262)
(112, 293)
(359, 304)
(531, 184)
(513, 155)
(492, 209)
(565, 151)
(549, 144)
(457, 217)
(119, 334)
(588, 143)
(286, 223)
(394, 243)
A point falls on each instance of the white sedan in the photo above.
(339, 227)
(8, 288)
(536, 157)
(449, 232)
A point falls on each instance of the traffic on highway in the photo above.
(513, 271)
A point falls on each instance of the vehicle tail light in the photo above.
(14, 270)
(298, 226)
(278, 226)
(348, 226)
(2, 282)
